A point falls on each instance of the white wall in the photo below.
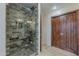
(2, 30)
(47, 21)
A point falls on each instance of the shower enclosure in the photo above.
(21, 29)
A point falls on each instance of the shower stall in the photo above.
(21, 29)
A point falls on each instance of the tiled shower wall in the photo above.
(21, 29)
(3, 41)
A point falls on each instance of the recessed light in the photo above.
(54, 8)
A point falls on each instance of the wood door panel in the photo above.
(77, 31)
(55, 31)
(64, 32)
(71, 38)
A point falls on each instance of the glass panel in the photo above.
(21, 29)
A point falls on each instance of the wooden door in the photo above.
(55, 33)
(64, 32)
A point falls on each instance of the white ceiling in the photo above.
(46, 7)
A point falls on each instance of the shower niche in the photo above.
(21, 29)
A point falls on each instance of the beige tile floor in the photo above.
(53, 51)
